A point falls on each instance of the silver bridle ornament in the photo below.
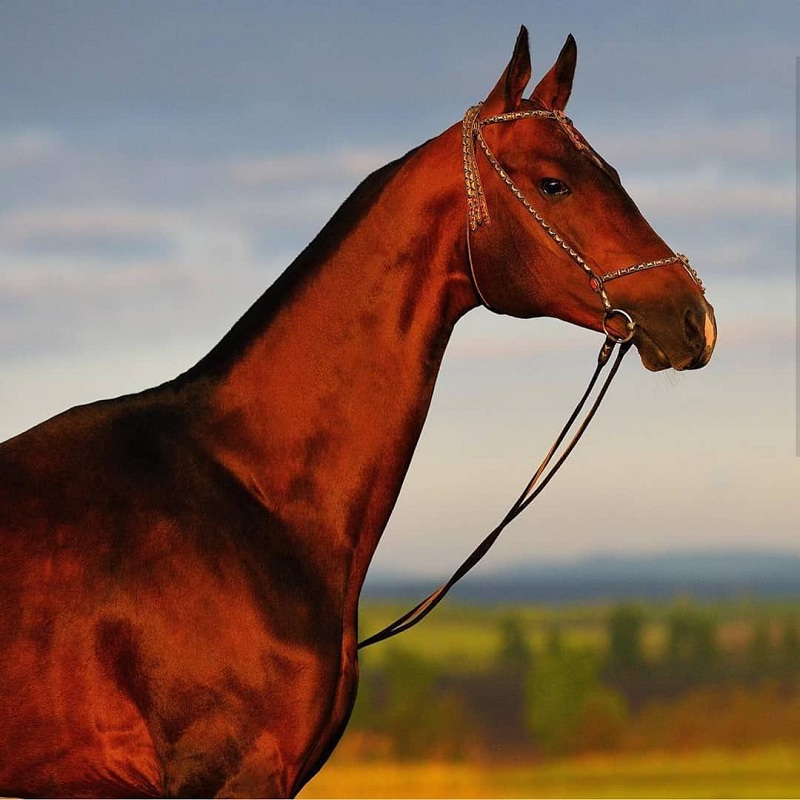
(478, 211)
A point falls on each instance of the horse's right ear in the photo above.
(508, 92)
(555, 88)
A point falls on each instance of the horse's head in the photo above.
(553, 233)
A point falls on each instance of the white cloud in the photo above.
(200, 282)
(710, 193)
(196, 236)
(24, 225)
(25, 148)
(691, 140)
(305, 168)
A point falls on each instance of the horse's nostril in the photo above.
(694, 332)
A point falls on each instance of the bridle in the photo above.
(478, 215)
(478, 211)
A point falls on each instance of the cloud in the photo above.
(747, 141)
(707, 170)
(710, 193)
(738, 256)
(77, 222)
(111, 235)
(191, 234)
(53, 308)
(26, 148)
(308, 168)
(75, 279)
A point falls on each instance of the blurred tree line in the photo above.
(558, 697)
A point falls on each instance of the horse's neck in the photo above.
(319, 411)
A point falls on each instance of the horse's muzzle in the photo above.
(686, 346)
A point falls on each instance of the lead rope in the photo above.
(529, 494)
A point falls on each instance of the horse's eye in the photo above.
(553, 187)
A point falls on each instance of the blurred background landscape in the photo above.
(534, 683)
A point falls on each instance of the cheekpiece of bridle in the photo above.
(478, 216)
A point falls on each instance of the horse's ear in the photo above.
(507, 94)
(555, 88)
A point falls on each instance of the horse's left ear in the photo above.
(555, 88)
(507, 94)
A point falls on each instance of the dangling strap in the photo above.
(529, 494)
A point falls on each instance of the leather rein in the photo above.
(478, 215)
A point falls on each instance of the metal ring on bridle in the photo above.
(630, 325)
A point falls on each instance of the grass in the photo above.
(466, 637)
(761, 772)
(460, 636)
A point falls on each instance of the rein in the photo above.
(478, 215)
(529, 494)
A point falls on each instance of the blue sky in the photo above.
(162, 162)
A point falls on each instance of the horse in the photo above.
(181, 568)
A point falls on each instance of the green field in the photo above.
(466, 635)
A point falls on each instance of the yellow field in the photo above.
(765, 772)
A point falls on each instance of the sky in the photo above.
(162, 162)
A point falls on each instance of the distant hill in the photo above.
(704, 575)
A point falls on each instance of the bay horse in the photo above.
(181, 567)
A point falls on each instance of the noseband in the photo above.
(478, 211)
(478, 216)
